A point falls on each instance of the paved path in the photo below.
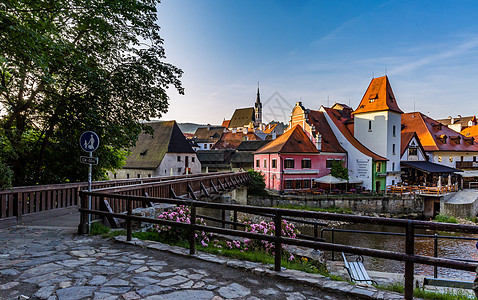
(44, 262)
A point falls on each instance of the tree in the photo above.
(257, 184)
(67, 66)
(338, 170)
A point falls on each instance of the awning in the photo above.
(470, 173)
(429, 167)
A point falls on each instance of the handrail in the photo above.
(409, 257)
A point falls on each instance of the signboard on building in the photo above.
(363, 168)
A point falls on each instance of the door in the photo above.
(186, 162)
(377, 186)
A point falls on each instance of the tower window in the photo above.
(394, 129)
(369, 125)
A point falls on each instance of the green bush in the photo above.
(257, 184)
(445, 219)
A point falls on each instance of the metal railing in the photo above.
(408, 256)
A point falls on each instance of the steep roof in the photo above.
(150, 149)
(212, 133)
(435, 136)
(293, 141)
(378, 97)
(242, 117)
(231, 140)
(225, 123)
(405, 139)
(471, 131)
(340, 122)
(329, 140)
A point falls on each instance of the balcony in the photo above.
(467, 164)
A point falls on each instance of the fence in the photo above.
(409, 257)
(423, 190)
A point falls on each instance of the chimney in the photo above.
(318, 141)
(208, 126)
(244, 130)
(274, 135)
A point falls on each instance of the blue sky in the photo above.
(319, 52)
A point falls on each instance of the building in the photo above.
(459, 123)
(292, 161)
(243, 158)
(206, 137)
(165, 152)
(377, 123)
(232, 140)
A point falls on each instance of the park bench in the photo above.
(357, 271)
(445, 282)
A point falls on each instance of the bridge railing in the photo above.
(17, 202)
(409, 226)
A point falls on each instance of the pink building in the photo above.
(292, 161)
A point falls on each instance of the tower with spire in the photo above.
(258, 109)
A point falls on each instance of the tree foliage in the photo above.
(257, 184)
(338, 170)
(67, 66)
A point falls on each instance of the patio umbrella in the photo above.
(330, 180)
(439, 182)
(449, 179)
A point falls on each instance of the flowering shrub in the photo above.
(287, 230)
(180, 214)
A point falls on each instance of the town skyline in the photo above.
(319, 53)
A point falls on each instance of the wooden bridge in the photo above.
(32, 202)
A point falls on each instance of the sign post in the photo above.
(89, 142)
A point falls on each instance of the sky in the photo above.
(319, 53)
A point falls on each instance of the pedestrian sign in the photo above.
(89, 141)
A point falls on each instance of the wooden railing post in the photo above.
(409, 266)
(278, 246)
(235, 220)
(17, 205)
(192, 233)
(129, 230)
(223, 218)
(83, 226)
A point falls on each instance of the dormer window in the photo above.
(437, 126)
(373, 97)
(442, 138)
(456, 139)
(469, 140)
(143, 153)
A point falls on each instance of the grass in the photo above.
(332, 209)
(445, 219)
(421, 293)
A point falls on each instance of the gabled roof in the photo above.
(435, 136)
(340, 121)
(269, 128)
(378, 97)
(293, 141)
(150, 149)
(242, 117)
(471, 131)
(405, 139)
(209, 133)
(225, 123)
(329, 140)
(231, 140)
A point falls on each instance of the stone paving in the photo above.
(54, 263)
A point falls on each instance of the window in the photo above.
(179, 158)
(149, 175)
(192, 159)
(451, 158)
(127, 176)
(265, 163)
(114, 175)
(378, 167)
(258, 164)
(289, 163)
(139, 175)
(393, 149)
(274, 163)
(474, 159)
(461, 158)
(369, 125)
(306, 184)
(306, 164)
(393, 167)
(329, 162)
(394, 129)
(393, 182)
(298, 184)
(288, 184)
(179, 170)
(412, 152)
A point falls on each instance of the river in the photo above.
(447, 248)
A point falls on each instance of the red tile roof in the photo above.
(225, 123)
(293, 141)
(435, 136)
(405, 139)
(340, 121)
(471, 131)
(329, 141)
(231, 140)
(378, 97)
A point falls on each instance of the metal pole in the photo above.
(90, 169)
(435, 253)
(409, 266)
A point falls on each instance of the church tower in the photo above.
(258, 109)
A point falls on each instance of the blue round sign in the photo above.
(89, 141)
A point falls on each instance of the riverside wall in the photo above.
(397, 205)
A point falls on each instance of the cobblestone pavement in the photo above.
(54, 263)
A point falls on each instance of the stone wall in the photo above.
(405, 205)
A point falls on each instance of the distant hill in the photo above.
(189, 127)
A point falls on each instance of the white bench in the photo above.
(357, 271)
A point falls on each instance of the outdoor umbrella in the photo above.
(330, 180)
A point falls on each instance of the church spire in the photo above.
(258, 108)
